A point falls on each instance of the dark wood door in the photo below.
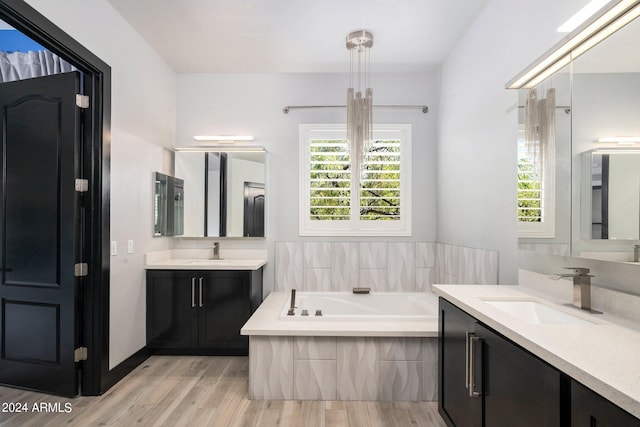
(454, 403)
(519, 389)
(253, 209)
(225, 306)
(172, 309)
(589, 409)
(40, 233)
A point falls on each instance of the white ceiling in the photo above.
(201, 36)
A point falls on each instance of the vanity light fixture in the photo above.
(620, 140)
(616, 150)
(223, 139)
(582, 39)
(221, 148)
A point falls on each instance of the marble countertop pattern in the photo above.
(604, 355)
(266, 321)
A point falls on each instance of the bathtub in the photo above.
(378, 346)
(373, 306)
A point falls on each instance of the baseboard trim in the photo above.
(124, 368)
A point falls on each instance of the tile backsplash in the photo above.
(382, 266)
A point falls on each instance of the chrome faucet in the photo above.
(581, 287)
(215, 250)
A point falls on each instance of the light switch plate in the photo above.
(114, 248)
(129, 246)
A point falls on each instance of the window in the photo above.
(337, 202)
(536, 207)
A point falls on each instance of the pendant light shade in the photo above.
(359, 96)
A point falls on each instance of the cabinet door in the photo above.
(224, 309)
(172, 313)
(589, 409)
(519, 389)
(455, 405)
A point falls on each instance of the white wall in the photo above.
(252, 104)
(143, 120)
(478, 122)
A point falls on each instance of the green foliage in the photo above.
(330, 174)
(529, 191)
(380, 184)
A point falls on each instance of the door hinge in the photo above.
(82, 101)
(82, 185)
(81, 269)
(80, 354)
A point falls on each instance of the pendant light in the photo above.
(359, 96)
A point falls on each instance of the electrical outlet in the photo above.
(130, 246)
(114, 248)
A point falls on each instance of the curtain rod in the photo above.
(288, 108)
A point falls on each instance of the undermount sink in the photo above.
(537, 313)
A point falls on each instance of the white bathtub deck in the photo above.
(266, 321)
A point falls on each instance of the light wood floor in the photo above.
(206, 391)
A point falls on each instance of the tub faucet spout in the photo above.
(292, 307)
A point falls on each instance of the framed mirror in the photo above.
(606, 148)
(224, 193)
(604, 135)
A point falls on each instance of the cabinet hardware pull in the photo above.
(472, 380)
(193, 292)
(200, 280)
(466, 359)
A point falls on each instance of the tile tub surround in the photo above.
(603, 356)
(342, 368)
(320, 359)
(382, 266)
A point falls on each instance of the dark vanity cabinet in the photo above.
(589, 409)
(519, 388)
(200, 312)
(456, 404)
(486, 380)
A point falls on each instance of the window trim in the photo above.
(354, 227)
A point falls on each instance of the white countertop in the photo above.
(198, 259)
(603, 356)
(266, 321)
